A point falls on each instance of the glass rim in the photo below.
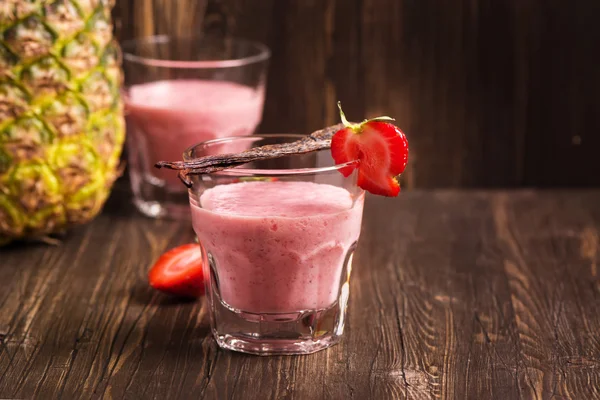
(237, 171)
(263, 53)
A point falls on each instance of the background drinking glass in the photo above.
(277, 259)
(181, 91)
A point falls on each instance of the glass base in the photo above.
(262, 347)
(154, 199)
(264, 334)
(302, 332)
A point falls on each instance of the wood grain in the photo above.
(490, 93)
(477, 295)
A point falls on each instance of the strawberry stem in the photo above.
(343, 116)
(357, 127)
(383, 118)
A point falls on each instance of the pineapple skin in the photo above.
(61, 116)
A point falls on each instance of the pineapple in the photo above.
(61, 117)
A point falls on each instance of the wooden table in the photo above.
(455, 294)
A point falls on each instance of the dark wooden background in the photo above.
(492, 93)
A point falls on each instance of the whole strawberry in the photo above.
(381, 149)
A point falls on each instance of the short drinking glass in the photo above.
(178, 92)
(277, 239)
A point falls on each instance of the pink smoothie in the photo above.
(166, 117)
(279, 246)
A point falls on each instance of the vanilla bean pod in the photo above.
(318, 140)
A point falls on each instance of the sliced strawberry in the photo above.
(381, 149)
(345, 150)
(179, 272)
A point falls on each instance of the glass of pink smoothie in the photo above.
(182, 91)
(277, 238)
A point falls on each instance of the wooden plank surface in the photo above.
(490, 93)
(476, 295)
